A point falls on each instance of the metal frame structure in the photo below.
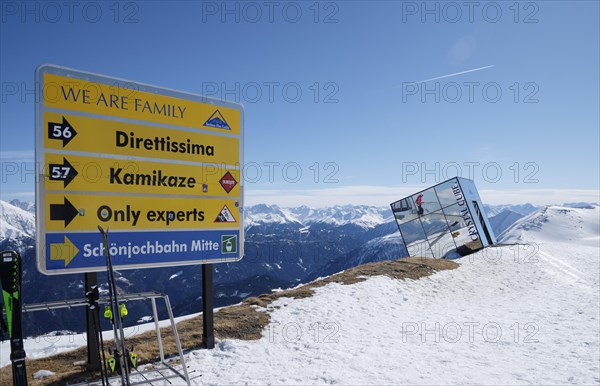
(164, 366)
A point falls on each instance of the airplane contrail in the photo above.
(453, 74)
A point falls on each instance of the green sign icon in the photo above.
(228, 243)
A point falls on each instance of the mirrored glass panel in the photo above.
(445, 247)
(442, 241)
(455, 214)
(439, 231)
(412, 232)
(449, 193)
(462, 228)
(404, 210)
(434, 223)
(420, 250)
(426, 202)
(469, 247)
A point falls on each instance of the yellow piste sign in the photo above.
(79, 212)
(161, 168)
(93, 174)
(102, 136)
(129, 100)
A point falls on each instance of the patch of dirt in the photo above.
(245, 321)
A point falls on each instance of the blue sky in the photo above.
(328, 90)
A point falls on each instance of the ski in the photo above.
(10, 277)
(3, 326)
(119, 361)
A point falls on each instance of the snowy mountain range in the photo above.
(27, 206)
(362, 216)
(17, 218)
(523, 312)
(557, 223)
(17, 221)
(522, 209)
(503, 220)
(284, 247)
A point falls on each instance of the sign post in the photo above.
(161, 168)
(93, 344)
(208, 335)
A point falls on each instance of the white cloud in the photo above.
(21, 194)
(384, 195)
(355, 195)
(539, 196)
(17, 155)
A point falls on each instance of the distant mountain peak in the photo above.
(555, 223)
(339, 215)
(503, 220)
(522, 209)
(581, 205)
(15, 222)
(27, 206)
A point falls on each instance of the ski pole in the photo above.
(118, 331)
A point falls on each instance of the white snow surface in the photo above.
(557, 224)
(28, 206)
(178, 273)
(15, 222)
(53, 343)
(42, 374)
(524, 314)
(518, 314)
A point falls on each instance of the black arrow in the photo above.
(65, 212)
(65, 172)
(63, 131)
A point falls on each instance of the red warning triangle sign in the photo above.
(225, 215)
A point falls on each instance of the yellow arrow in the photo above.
(63, 251)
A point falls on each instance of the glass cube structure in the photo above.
(446, 220)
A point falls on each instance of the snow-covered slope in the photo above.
(504, 220)
(517, 314)
(15, 222)
(525, 314)
(27, 206)
(556, 224)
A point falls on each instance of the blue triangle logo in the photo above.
(217, 120)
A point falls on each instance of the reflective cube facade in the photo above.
(444, 221)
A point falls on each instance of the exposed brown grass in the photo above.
(245, 321)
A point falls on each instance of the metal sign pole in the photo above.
(93, 362)
(208, 335)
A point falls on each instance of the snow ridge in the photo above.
(554, 223)
(27, 206)
(363, 216)
(15, 222)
